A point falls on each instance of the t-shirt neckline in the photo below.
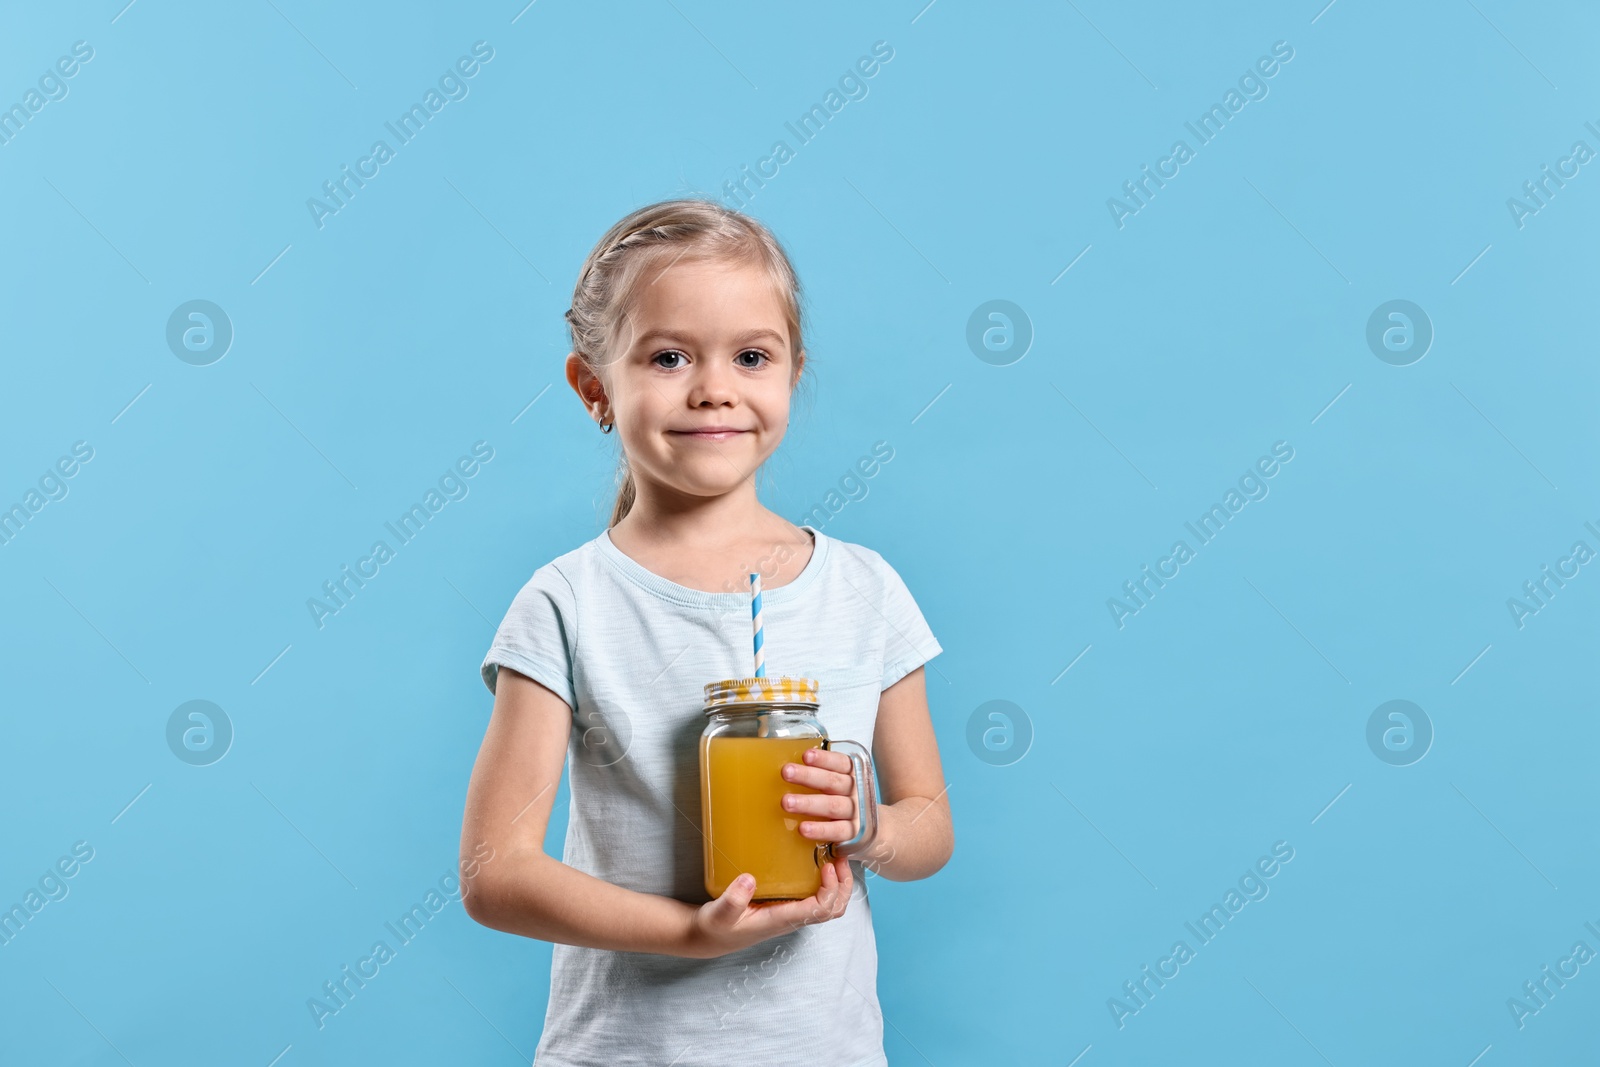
(652, 582)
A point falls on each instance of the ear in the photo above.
(590, 389)
(799, 365)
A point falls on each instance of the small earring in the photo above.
(605, 427)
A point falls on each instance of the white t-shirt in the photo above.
(629, 652)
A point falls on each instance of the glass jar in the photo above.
(753, 727)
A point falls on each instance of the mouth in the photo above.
(709, 433)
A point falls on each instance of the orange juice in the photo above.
(746, 827)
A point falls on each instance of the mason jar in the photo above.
(753, 727)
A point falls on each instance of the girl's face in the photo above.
(700, 377)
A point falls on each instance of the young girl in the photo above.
(686, 339)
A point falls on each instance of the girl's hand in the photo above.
(833, 775)
(732, 922)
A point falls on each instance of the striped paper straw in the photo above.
(755, 622)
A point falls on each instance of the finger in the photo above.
(832, 830)
(820, 778)
(789, 915)
(827, 805)
(824, 904)
(827, 759)
(731, 905)
(839, 895)
(829, 885)
(831, 893)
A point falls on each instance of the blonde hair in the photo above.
(662, 234)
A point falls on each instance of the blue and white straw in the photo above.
(755, 622)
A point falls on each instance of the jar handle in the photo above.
(866, 799)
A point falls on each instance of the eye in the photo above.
(760, 358)
(668, 355)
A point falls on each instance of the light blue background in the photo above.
(1228, 314)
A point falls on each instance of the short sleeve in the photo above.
(539, 635)
(909, 643)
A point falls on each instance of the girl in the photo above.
(686, 341)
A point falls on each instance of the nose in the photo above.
(713, 385)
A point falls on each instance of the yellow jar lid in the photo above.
(781, 690)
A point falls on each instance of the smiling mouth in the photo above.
(719, 434)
